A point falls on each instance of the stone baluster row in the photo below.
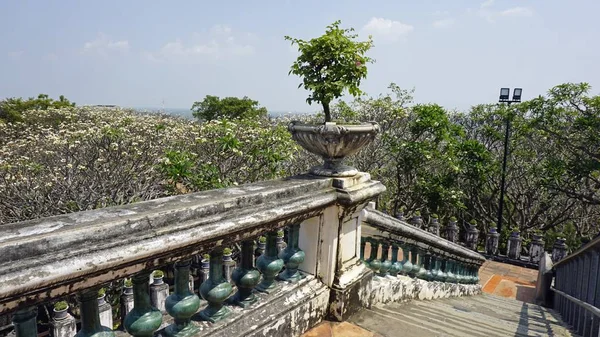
(471, 238)
(416, 262)
(146, 296)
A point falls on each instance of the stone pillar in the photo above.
(25, 322)
(280, 241)
(472, 236)
(63, 324)
(513, 249)
(105, 311)
(434, 226)
(544, 280)
(491, 241)
(159, 291)
(127, 300)
(204, 268)
(536, 248)
(559, 251)
(416, 220)
(451, 230)
(335, 234)
(228, 264)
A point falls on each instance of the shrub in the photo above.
(60, 305)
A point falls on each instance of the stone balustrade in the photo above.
(294, 261)
(471, 239)
(416, 263)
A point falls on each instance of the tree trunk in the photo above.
(326, 111)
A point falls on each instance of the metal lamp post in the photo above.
(504, 98)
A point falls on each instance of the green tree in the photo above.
(11, 109)
(568, 120)
(330, 64)
(213, 107)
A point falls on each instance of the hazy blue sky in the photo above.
(137, 53)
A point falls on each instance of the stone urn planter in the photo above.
(333, 143)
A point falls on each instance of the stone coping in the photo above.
(389, 227)
(51, 257)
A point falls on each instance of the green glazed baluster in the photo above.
(415, 265)
(363, 244)
(216, 289)
(292, 256)
(90, 316)
(386, 264)
(246, 277)
(183, 303)
(450, 277)
(422, 272)
(25, 322)
(442, 275)
(396, 265)
(143, 320)
(375, 263)
(407, 266)
(269, 264)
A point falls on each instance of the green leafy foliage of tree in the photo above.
(331, 64)
(213, 107)
(11, 109)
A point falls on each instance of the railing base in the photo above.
(289, 311)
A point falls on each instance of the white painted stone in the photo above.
(65, 327)
(105, 311)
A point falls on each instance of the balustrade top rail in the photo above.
(594, 244)
(421, 238)
(51, 257)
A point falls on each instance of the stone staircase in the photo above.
(482, 315)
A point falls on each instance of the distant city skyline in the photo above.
(137, 53)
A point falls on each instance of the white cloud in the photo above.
(486, 10)
(104, 44)
(444, 23)
(387, 29)
(220, 41)
(517, 11)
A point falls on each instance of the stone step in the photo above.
(481, 316)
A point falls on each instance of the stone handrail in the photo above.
(48, 259)
(400, 230)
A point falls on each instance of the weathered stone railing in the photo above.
(45, 260)
(472, 237)
(415, 262)
(577, 289)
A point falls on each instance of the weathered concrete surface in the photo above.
(508, 281)
(389, 289)
(339, 329)
(482, 315)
